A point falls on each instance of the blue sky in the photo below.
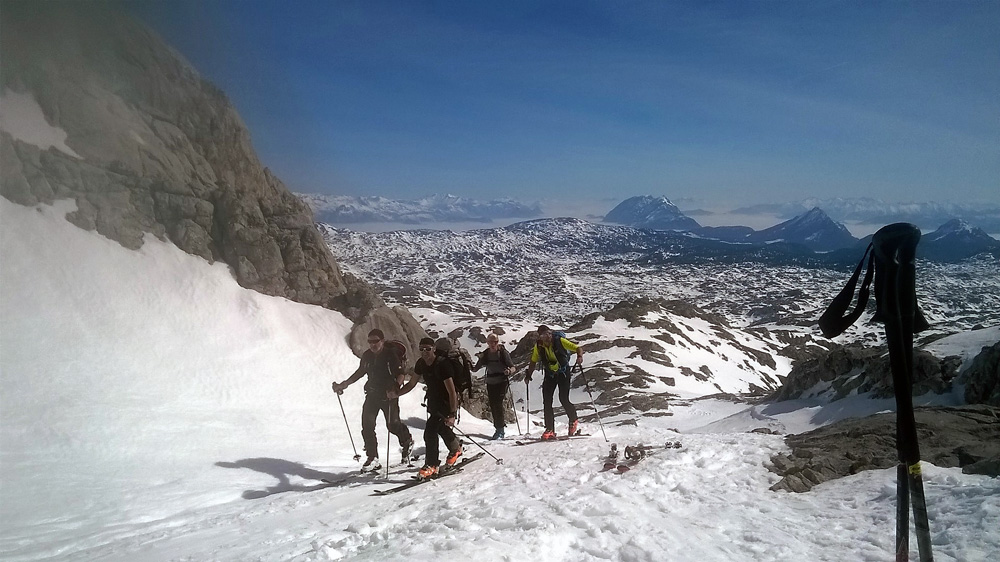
(724, 102)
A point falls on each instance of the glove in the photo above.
(527, 378)
(337, 388)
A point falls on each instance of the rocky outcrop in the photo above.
(982, 378)
(151, 148)
(967, 437)
(846, 370)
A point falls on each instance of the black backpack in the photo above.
(399, 349)
(463, 369)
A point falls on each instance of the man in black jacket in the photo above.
(438, 373)
(385, 374)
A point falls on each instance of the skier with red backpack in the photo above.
(552, 350)
(384, 366)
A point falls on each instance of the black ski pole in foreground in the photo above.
(357, 457)
(586, 383)
(893, 263)
(476, 443)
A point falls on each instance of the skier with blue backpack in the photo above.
(553, 350)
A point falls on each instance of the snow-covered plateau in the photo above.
(154, 410)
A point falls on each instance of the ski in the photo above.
(394, 469)
(445, 471)
(634, 455)
(559, 438)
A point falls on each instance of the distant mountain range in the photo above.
(811, 230)
(954, 241)
(866, 210)
(346, 210)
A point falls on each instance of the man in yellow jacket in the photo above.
(553, 351)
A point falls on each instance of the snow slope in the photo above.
(153, 410)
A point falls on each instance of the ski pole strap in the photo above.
(833, 322)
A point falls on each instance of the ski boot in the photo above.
(407, 453)
(371, 465)
(612, 460)
(453, 457)
(574, 427)
(427, 471)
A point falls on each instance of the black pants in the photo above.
(552, 380)
(496, 393)
(436, 428)
(390, 409)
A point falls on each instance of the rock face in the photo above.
(151, 147)
(982, 378)
(968, 437)
(850, 369)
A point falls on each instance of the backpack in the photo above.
(562, 355)
(463, 370)
(398, 348)
(501, 350)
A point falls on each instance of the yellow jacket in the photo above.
(551, 362)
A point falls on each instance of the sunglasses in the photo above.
(426, 348)
(374, 341)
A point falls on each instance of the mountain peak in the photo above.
(813, 228)
(956, 240)
(648, 211)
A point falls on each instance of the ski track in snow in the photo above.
(153, 410)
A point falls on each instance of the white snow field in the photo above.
(153, 410)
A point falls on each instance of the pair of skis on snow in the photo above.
(559, 438)
(445, 471)
(373, 471)
(632, 455)
(450, 470)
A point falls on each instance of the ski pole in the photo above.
(586, 382)
(527, 408)
(894, 251)
(476, 443)
(513, 406)
(357, 457)
(388, 444)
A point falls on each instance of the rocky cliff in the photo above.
(98, 109)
